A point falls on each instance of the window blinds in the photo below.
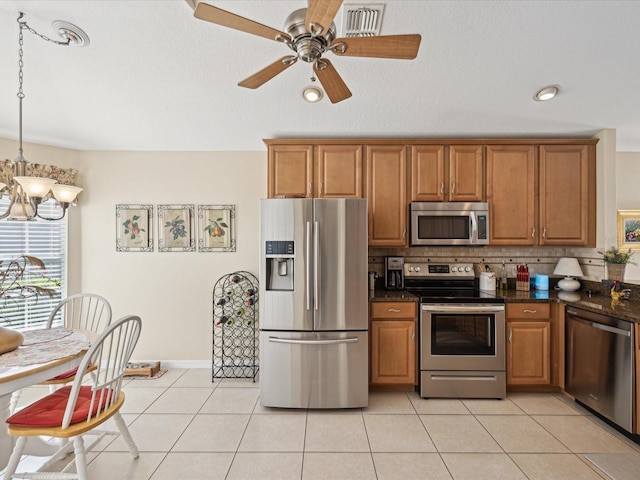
(43, 239)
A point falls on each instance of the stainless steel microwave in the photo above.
(449, 223)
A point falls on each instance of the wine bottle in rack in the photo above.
(236, 279)
(222, 301)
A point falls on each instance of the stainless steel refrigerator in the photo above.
(313, 303)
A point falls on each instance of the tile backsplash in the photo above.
(541, 260)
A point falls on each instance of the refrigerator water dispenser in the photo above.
(279, 265)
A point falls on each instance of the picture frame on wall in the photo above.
(629, 229)
(216, 228)
(134, 228)
(176, 232)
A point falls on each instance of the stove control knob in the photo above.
(454, 269)
(411, 269)
(417, 269)
(467, 269)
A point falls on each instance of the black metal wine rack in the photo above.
(235, 326)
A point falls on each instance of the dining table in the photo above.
(44, 354)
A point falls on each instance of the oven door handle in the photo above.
(462, 308)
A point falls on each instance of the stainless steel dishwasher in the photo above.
(599, 364)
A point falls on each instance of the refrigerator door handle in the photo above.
(313, 342)
(307, 267)
(316, 267)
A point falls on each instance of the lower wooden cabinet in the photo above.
(394, 337)
(528, 333)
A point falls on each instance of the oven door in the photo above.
(462, 337)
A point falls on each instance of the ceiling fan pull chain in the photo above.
(25, 26)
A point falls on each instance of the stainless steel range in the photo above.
(462, 332)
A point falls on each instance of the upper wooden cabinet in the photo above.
(322, 171)
(442, 173)
(339, 171)
(511, 194)
(543, 199)
(567, 195)
(386, 168)
(290, 171)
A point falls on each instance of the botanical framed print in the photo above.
(134, 228)
(176, 232)
(629, 229)
(216, 228)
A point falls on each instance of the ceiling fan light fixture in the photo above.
(546, 93)
(312, 94)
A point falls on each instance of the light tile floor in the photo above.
(189, 428)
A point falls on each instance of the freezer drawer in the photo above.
(314, 370)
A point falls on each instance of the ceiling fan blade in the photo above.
(386, 46)
(263, 76)
(333, 84)
(227, 19)
(321, 12)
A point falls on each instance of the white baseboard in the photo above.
(180, 363)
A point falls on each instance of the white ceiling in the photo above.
(156, 78)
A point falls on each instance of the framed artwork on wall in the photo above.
(629, 229)
(216, 228)
(176, 232)
(134, 228)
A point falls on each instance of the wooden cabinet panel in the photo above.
(386, 171)
(427, 173)
(393, 352)
(339, 171)
(637, 354)
(466, 173)
(393, 309)
(567, 190)
(290, 171)
(511, 194)
(528, 311)
(528, 353)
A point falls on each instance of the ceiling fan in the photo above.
(310, 32)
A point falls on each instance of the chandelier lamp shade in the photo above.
(26, 192)
(569, 267)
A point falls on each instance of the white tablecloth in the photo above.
(41, 346)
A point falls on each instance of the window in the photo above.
(43, 239)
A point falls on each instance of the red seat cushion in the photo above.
(49, 410)
(67, 374)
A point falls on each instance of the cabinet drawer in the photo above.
(393, 309)
(528, 310)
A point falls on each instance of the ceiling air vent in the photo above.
(362, 20)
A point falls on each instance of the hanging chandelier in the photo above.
(25, 192)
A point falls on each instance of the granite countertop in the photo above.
(600, 302)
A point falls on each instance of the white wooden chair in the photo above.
(82, 311)
(75, 410)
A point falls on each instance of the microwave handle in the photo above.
(474, 227)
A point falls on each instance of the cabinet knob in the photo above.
(394, 310)
(544, 232)
(413, 335)
(453, 188)
(510, 334)
(441, 187)
(309, 189)
(533, 232)
(320, 188)
(530, 311)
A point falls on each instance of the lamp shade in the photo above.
(65, 193)
(569, 267)
(36, 187)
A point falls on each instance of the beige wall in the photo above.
(628, 197)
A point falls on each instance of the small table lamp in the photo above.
(569, 267)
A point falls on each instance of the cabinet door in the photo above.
(387, 195)
(637, 378)
(567, 211)
(528, 352)
(290, 171)
(393, 351)
(427, 173)
(511, 194)
(466, 173)
(339, 171)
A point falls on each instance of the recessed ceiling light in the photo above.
(546, 93)
(312, 94)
